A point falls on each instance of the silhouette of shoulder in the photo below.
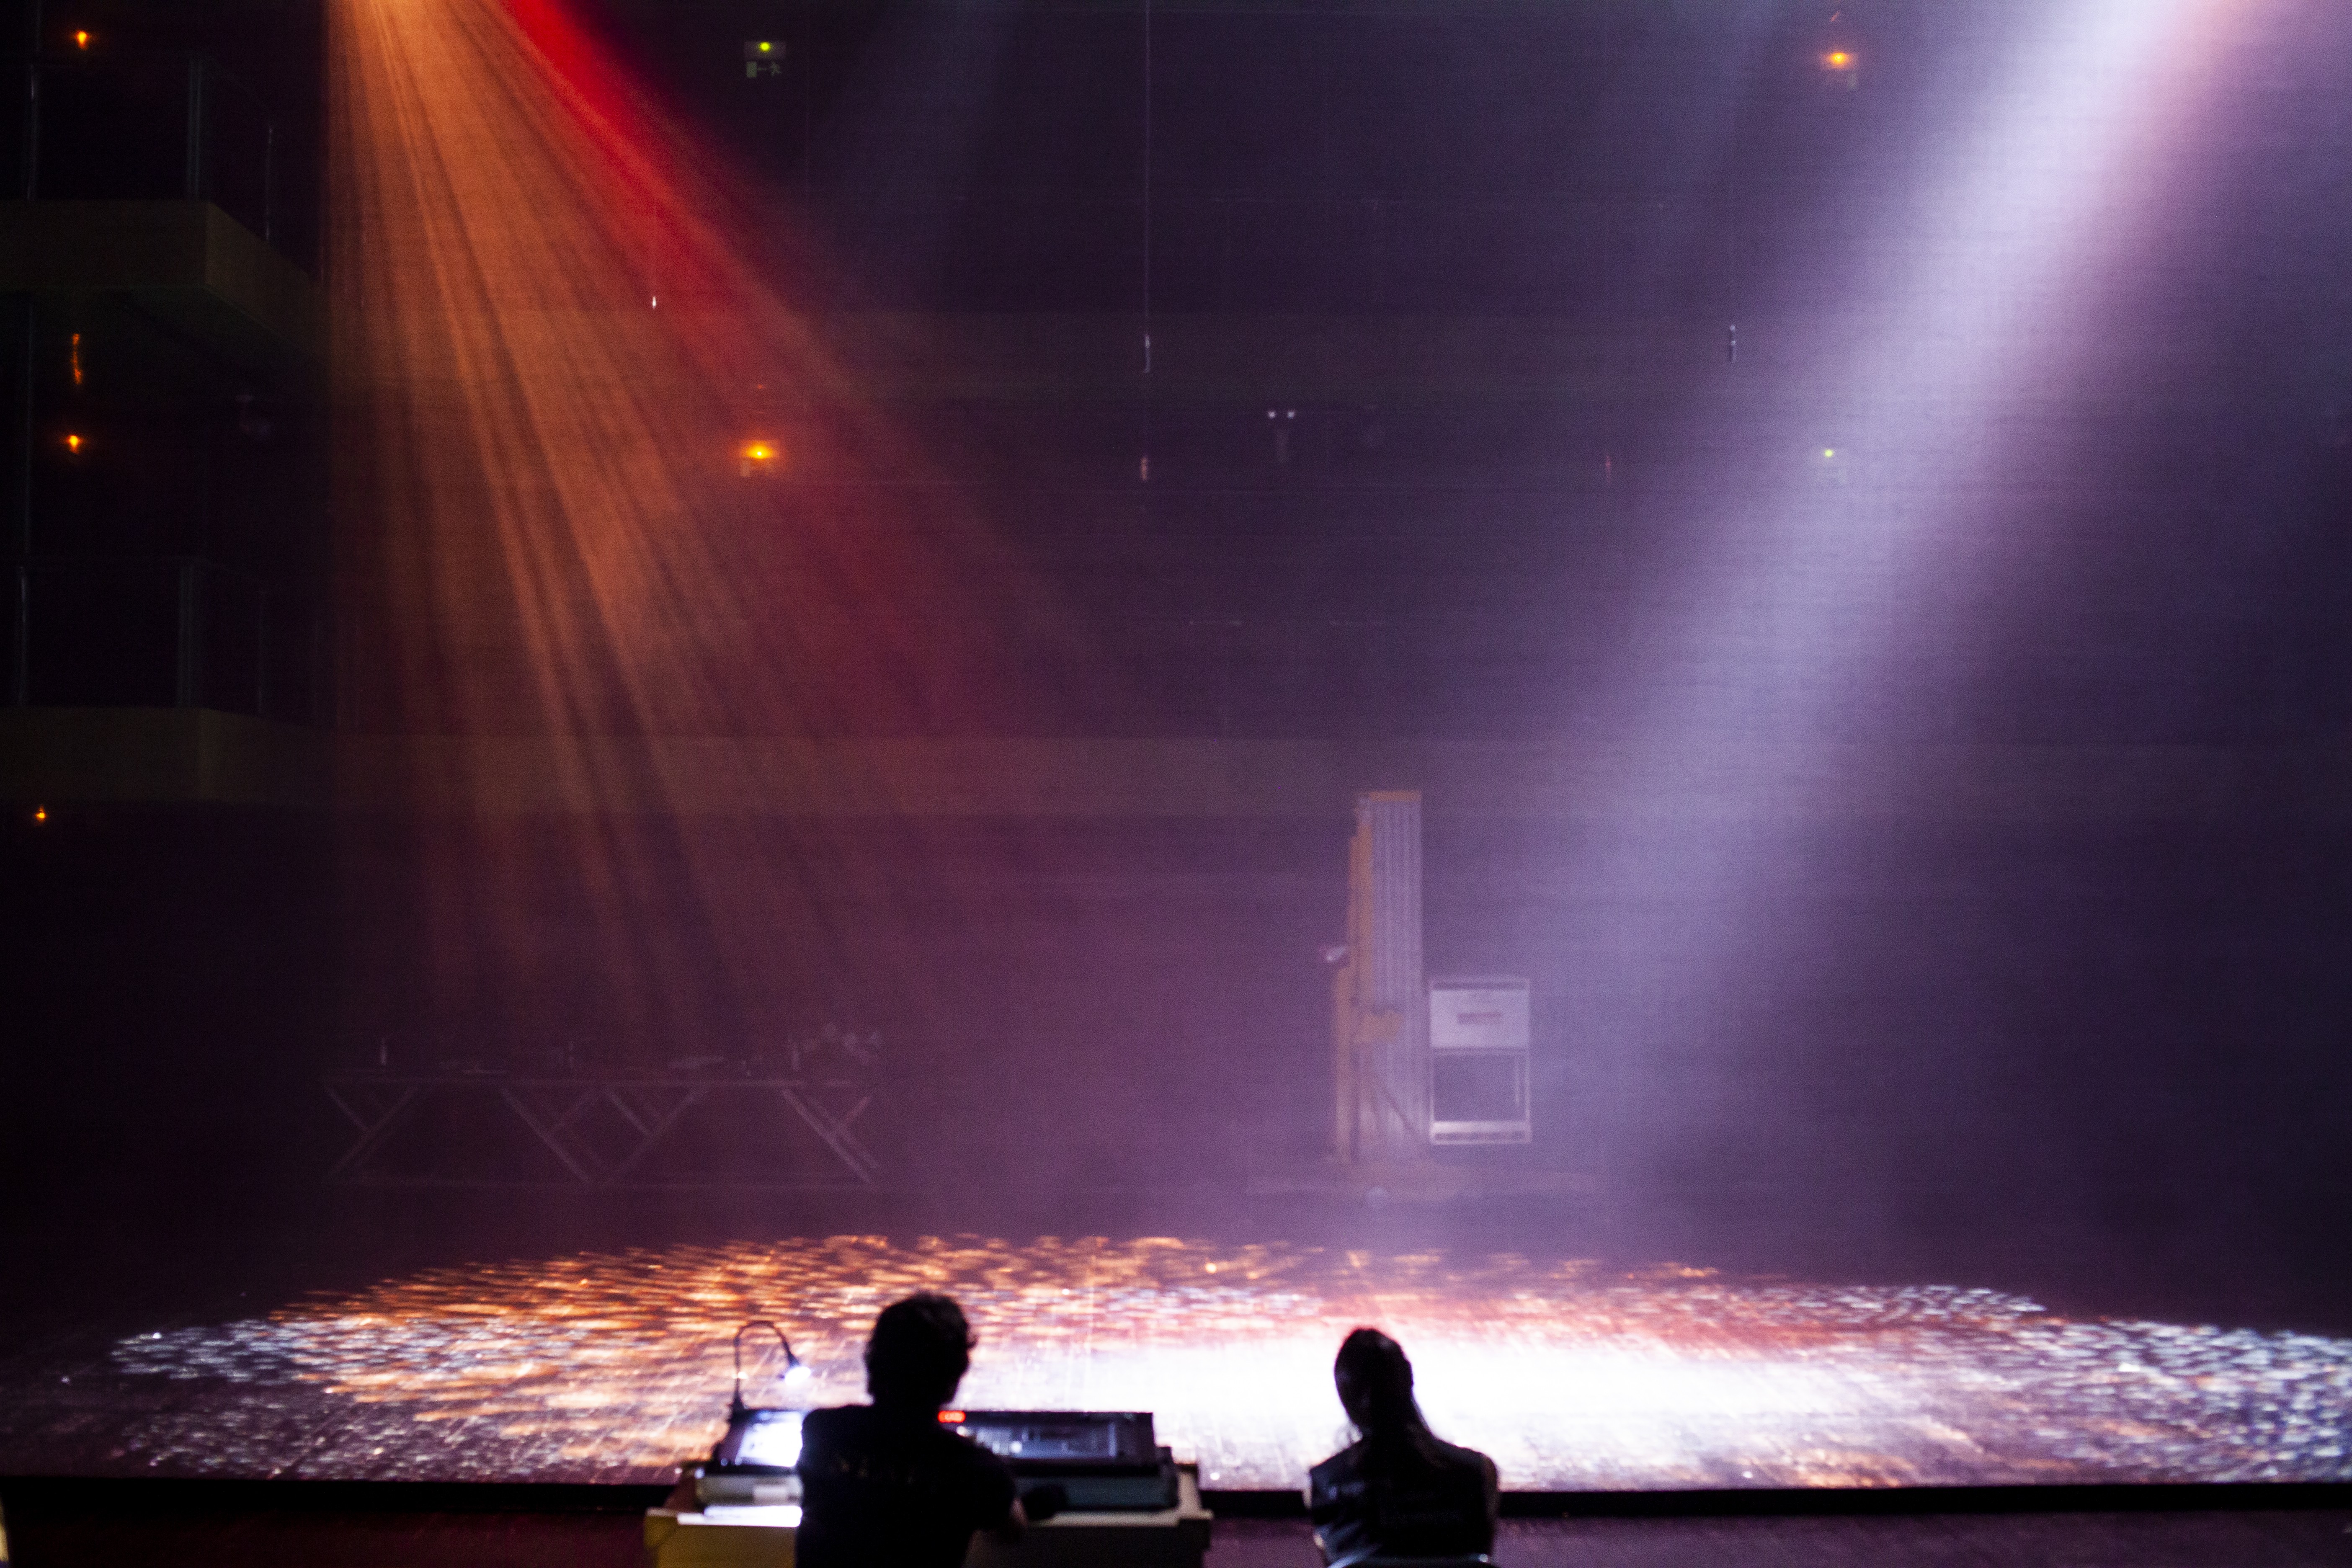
(881, 1486)
(1417, 1498)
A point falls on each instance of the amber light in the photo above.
(1838, 61)
(81, 40)
(950, 1417)
(40, 814)
(73, 444)
(759, 456)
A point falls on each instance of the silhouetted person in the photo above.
(884, 1485)
(1397, 1491)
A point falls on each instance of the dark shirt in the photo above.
(892, 1490)
(1405, 1497)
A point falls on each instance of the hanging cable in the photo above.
(1143, 471)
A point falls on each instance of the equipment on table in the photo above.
(1107, 1461)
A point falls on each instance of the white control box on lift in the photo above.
(1478, 1060)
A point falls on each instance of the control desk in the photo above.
(1129, 1502)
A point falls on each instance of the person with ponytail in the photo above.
(1397, 1491)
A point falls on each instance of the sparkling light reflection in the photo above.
(609, 1366)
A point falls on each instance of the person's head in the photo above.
(1376, 1383)
(921, 1350)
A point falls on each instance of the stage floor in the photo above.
(615, 1367)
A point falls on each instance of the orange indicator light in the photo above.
(40, 814)
(1838, 61)
(758, 457)
(81, 40)
(77, 359)
(950, 1417)
(73, 444)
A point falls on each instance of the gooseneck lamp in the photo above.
(795, 1370)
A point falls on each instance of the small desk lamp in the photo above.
(752, 1462)
(795, 1370)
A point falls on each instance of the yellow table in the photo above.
(681, 1534)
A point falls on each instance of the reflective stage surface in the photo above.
(614, 1365)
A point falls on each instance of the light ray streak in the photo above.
(558, 541)
(1983, 273)
(1981, 270)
